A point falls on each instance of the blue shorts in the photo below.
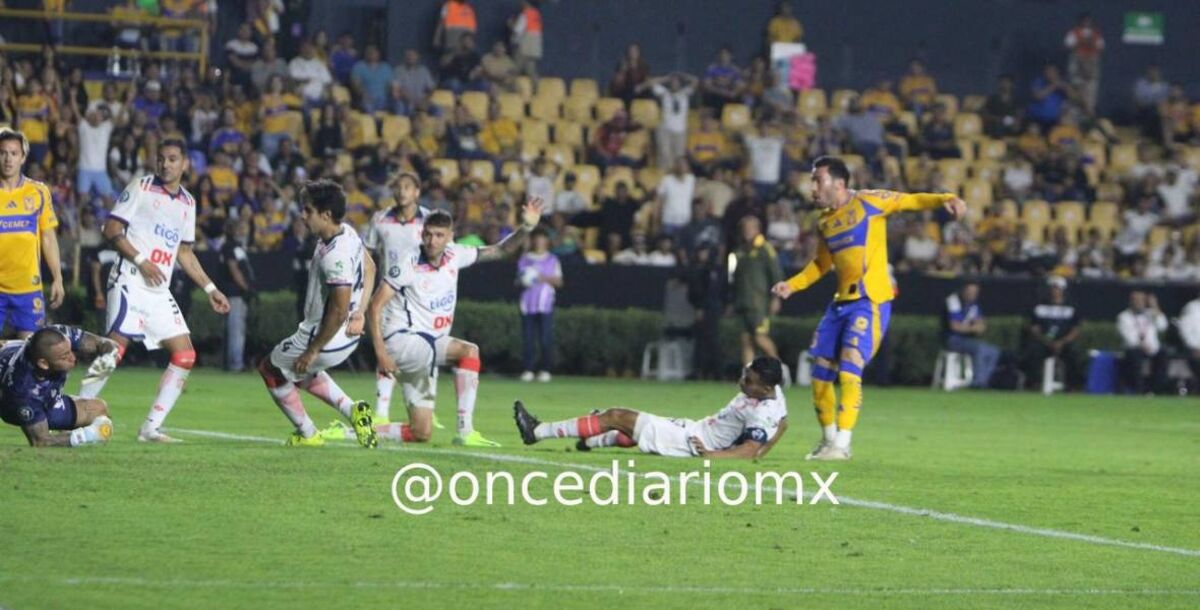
(61, 416)
(855, 324)
(26, 312)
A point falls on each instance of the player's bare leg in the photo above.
(824, 375)
(385, 382)
(613, 427)
(766, 345)
(466, 386)
(98, 374)
(170, 387)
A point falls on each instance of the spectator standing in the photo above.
(673, 92)
(1149, 94)
(95, 133)
(236, 279)
(675, 193)
(1139, 327)
(527, 38)
(1085, 45)
(631, 72)
(756, 272)
(723, 82)
(456, 22)
(241, 52)
(784, 26)
(1189, 332)
(963, 326)
(540, 275)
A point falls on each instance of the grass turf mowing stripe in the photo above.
(884, 506)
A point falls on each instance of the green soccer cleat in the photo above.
(474, 439)
(437, 424)
(298, 440)
(337, 430)
(364, 428)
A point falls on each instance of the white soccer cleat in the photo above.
(831, 453)
(527, 376)
(821, 445)
(155, 436)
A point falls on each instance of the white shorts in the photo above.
(417, 357)
(287, 351)
(663, 436)
(141, 314)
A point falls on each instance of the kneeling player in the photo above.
(32, 375)
(340, 277)
(746, 428)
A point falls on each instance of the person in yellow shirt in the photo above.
(34, 115)
(880, 99)
(501, 139)
(707, 148)
(27, 224)
(1066, 133)
(917, 87)
(359, 206)
(272, 112)
(270, 225)
(853, 244)
(784, 27)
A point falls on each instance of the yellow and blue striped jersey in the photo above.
(854, 243)
(26, 212)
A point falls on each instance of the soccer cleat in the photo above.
(155, 436)
(364, 428)
(526, 423)
(474, 439)
(379, 420)
(298, 440)
(336, 431)
(527, 376)
(544, 377)
(437, 424)
(581, 445)
(103, 427)
(821, 445)
(831, 453)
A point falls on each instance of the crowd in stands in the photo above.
(647, 168)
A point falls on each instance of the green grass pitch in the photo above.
(1070, 501)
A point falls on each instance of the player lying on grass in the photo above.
(340, 277)
(424, 285)
(748, 427)
(32, 375)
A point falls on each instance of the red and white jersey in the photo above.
(336, 262)
(426, 294)
(394, 240)
(743, 419)
(156, 222)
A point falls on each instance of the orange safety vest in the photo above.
(459, 15)
(533, 20)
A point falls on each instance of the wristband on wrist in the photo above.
(139, 259)
(210, 288)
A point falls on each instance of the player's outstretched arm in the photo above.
(808, 276)
(114, 233)
(762, 452)
(337, 311)
(191, 266)
(375, 328)
(508, 247)
(745, 451)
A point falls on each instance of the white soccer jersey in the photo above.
(744, 418)
(156, 222)
(393, 240)
(337, 262)
(426, 294)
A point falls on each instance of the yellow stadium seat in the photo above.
(476, 102)
(94, 89)
(1158, 236)
(524, 87)
(648, 178)
(993, 150)
(578, 109)
(973, 103)
(512, 174)
(569, 134)
(841, 101)
(512, 106)
(1122, 157)
(530, 151)
(812, 103)
(585, 88)
(988, 171)
(1191, 154)
(484, 171)
(853, 162)
(444, 99)
(966, 148)
(636, 145)
(954, 172)
(1036, 211)
(545, 109)
(909, 119)
(606, 107)
(736, 117)
(587, 178)
(395, 128)
(949, 102)
(364, 124)
(534, 131)
(977, 193)
(967, 125)
(448, 168)
(614, 175)
(1009, 209)
(644, 112)
(1110, 191)
(1072, 215)
(339, 94)
(551, 87)
(1105, 211)
(1097, 152)
(561, 154)
(344, 165)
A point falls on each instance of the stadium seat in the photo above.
(1096, 152)
(949, 102)
(476, 102)
(1072, 216)
(812, 103)
(510, 170)
(1104, 217)
(395, 128)
(978, 194)
(587, 178)
(636, 145)
(1035, 214)
(364, 125)
(585, 88)
(909, 119)
(989, 171)
(1009, 209)
(614, 175)
(952, 371)
(1053, 376)
(841, 101)
(344, 165)
(649, 177)
(736, 117)
(570, 134)
(967, 125)
(448, 168)
(484, 171)
(530, 151)
(551, 87)
(644, 112)
(1122, 157)
(561, 154)
(534, 131)
(545, 109)
(577, 109)
(1158, 236)
(992, 150)
(339, 94)
(524, 87)
(606, 107)
(444, 99)
(1191, 154)
(966, 149)
(853, 162)
(512, 106)
(954, 172)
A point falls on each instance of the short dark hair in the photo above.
(177, 143)
(768, 369)
(439, 218)
(407, 176)
(836, 167)
(325, 196)
(42, 341)
(539, 231)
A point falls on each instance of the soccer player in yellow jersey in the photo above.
(27, 224)
(853, 227)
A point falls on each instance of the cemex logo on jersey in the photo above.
(171, 236)
(19, 224)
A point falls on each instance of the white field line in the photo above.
(884, 506)
(578, 588)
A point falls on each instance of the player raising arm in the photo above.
(748, 427)
(853, 229)
(33, 372)
(425, 286)
(152, 226)
(340, 277)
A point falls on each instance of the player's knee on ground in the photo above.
(420, 424)
(184, 358)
